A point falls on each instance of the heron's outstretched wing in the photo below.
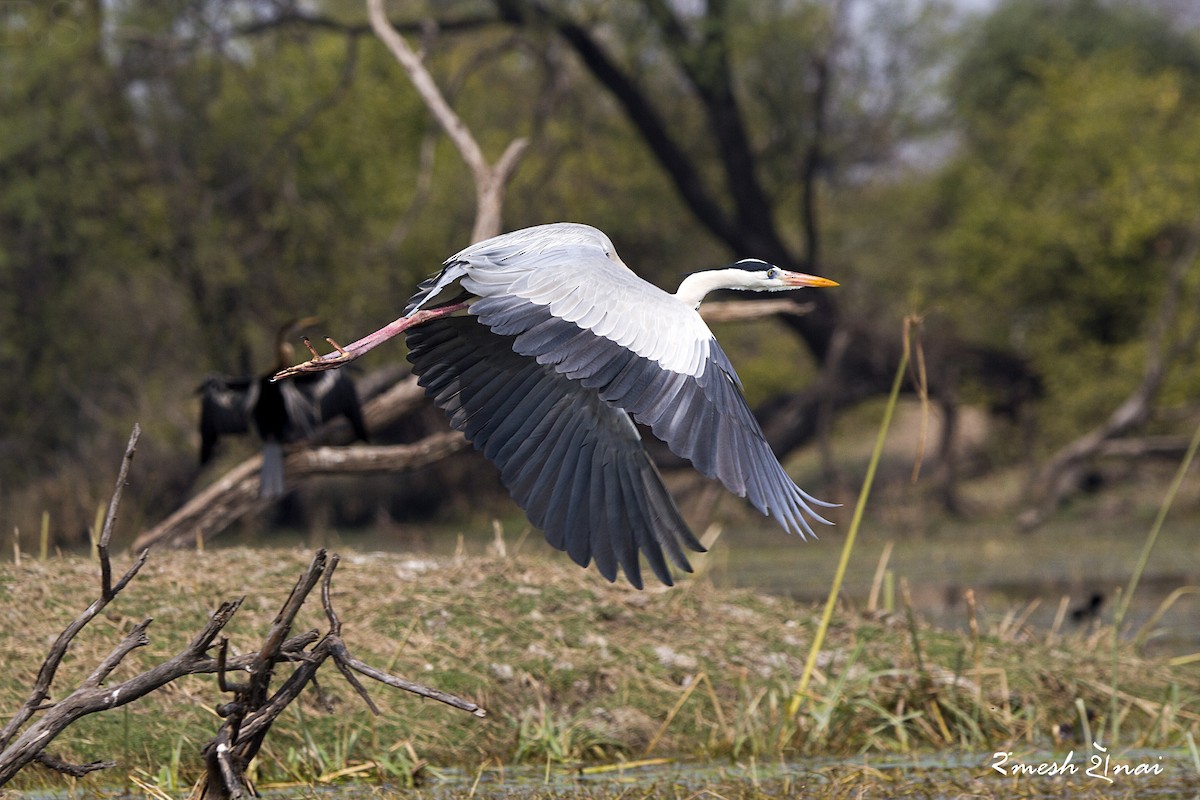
(574, 462)
(577, 308)
(225, 408)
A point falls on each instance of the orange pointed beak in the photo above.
(800, 279)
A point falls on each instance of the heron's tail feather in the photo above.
(433, 286)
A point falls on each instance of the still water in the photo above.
(1158, 774)
(1066, 576)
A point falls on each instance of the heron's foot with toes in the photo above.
(318, 362)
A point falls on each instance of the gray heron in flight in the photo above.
(279, 412)
(543, 347)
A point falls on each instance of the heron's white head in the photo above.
(749, 274)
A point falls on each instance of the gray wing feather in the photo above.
(703, 418)
(574, 462)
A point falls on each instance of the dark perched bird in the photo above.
(1088, 611)
(280, 412)
(544, 348)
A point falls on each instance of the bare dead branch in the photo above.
(382, 458)
(248, 717)
(294, 647)
(356, 684)
(223, 682)
(220, 618)
(282, 625)
(1061, 474)
(131, 572)
(219, 754)
(41, 686)
(74, 770)
(489, 180)
(741, 310)
(335, 624)
(343, 654)
(228, 775)
(134, 639)
(258, 720)
(89, 699)
(252, 713)
(111, 516)
(335, 630)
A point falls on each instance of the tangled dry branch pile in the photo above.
(255, 706)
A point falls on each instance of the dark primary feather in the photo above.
(574, 462)
(704, 419)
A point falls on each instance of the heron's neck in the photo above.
(698, 284)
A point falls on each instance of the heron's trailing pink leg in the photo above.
(344, 355)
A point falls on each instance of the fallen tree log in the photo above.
(236, 493)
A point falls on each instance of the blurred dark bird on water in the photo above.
(1089, 610)
(280, 413)
(544, 348)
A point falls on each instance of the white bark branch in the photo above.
(489, 180)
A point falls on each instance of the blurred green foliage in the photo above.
(1072, 194)
(175, 183)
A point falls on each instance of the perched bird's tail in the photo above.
(270, 481)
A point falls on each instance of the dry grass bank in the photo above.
(573, 669)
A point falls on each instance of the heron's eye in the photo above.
(774, 272)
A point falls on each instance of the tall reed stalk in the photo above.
(1143, 559)
(851, 534)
